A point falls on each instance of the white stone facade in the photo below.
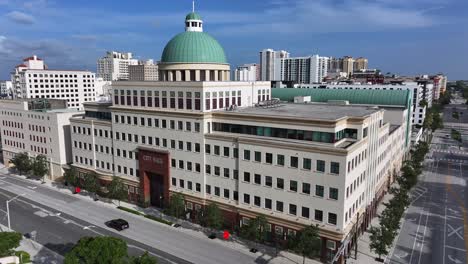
(247, 73)
(45, 132)
(294, 182)
(33, 80)
(114, 66)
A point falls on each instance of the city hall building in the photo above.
(199, 134)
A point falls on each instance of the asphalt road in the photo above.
(435, 226)
(59, 232)
(38, 209)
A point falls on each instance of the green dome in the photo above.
(193, 16)
(193, 47)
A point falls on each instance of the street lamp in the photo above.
(8, 208)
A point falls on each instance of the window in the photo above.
(268, 181)
(293, 186)
(332, 218)
(257, 179)
(319, 190)
(279, 206)
(321, 165)
(217, 170)
(247, 176)
(294, 162)
(305, 188)
(226, 193)
(226, 172)
(268, 203)
(236, 153)
(280, 160)
(257, 201)
(208, 169)
(280, 183)
(189, 183)
(268, 158)
(226, 151)
(333, 193)
(258, 156)
(305, 212)
(318, 215)
(246, 198)
(216, 150)
(306, 164)
(207, 149)
(208, 189)
(292, 209)
(246, 154)
(181, 183)
(217, 191)
(335, 167)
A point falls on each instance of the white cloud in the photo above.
(21, 18)
(324, 16)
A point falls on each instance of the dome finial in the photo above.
(193, 6)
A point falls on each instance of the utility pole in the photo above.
(8, 208)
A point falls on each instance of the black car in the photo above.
(117, 224)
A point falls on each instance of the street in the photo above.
(435, 226)
(61, 219)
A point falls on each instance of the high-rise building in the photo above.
(440, 85)
(348, 65)
(360, 64)
(304, 69)
(5, 89)
(143, 71)
(270, 64)
(32, 79)
(247, 73)
(38, 126)
(197, 134)
(114, 66)
(335, 65)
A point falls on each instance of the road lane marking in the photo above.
(454, 231)
(32, 187)
(459, 249)
(460, 203)
(455, 260)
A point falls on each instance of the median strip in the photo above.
(154, 218)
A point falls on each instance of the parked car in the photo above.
(212, 236)
(117, 224)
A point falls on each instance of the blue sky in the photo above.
(398, 36)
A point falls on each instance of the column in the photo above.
(170, 76)
(207, 75)
(187, 75)
(216, 76)
(178, 76)
(197, 75)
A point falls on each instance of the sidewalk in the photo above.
(39, 253)
(265, 254)
(365, 255)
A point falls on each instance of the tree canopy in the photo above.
(176, 206)
(40, 166)
(213, 216)
(93, 250)
(8, 242)
(117, 190)
(22, 163)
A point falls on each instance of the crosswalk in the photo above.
(459, 152)
(453, 160)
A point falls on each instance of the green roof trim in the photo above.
(373, 97)
(193, 47)
(193, 16)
